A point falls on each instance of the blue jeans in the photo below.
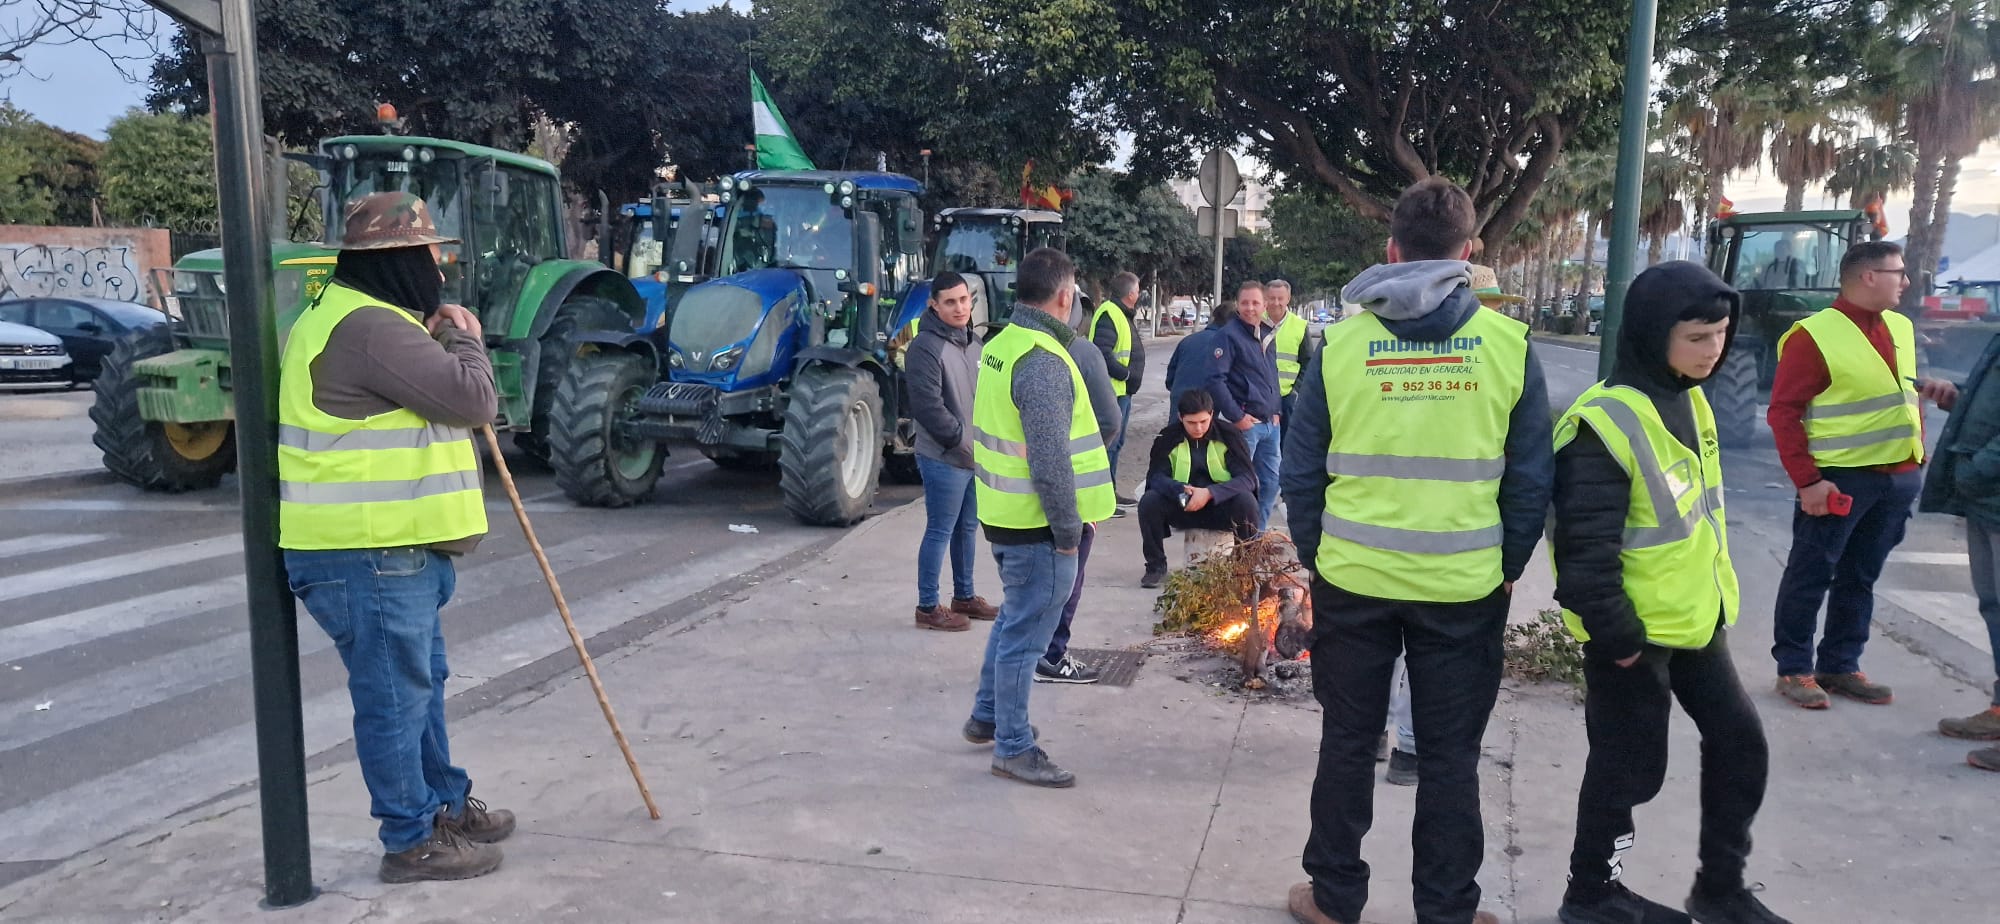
(1124, 418)
(1037, 581)
(1835, 560)
(1059, 642)
(951, 519)
(1983, 547)
(1264, 455)
(380, 607)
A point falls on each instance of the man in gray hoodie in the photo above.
(939, 372)
(1043, 474)
(1417, 473)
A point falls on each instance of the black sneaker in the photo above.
(1118, 513)
(1738, 907)
(979, 732)
(1034, 768)
(447, 855)
(1402, 768)
(1154, 576)
(1124, 501)
(1070, 670)
(1612, 903)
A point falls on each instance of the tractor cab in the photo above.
(1786, 265)
(985, 246)
(668, 246)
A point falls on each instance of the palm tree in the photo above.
(1668, 183)
(1805, 146)
(1871, 168)
(1588, 179)
(1717, 126)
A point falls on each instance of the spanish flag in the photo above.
(1047, 196)
(1725, 208)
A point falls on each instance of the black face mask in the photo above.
(406, 277)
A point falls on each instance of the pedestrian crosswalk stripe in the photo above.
(29, 545)
(115, 566)
(19, 643)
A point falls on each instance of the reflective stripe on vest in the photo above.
(1182, 461)
(1419, 445)
(1291, 339)
(1120, 350)
(391, 480)
(1004, 488)
(1674, 559)
(1868, 414)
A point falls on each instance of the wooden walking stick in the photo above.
(562, 606)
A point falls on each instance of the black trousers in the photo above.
(1627, 710)
(1454, 662)
(1161, 514)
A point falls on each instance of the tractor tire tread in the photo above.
(580, 449)
(1732, 395)
(808, 462)
(135, 451)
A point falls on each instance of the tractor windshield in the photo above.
(794, 227)
(647, 249)
(1802, 256)
(439, 182)
(976, 247)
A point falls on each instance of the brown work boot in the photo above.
(1984, 726)
(482, 825)
(975, 608)
(1803, 691)
(1304, 910)
(447, 855)
(941, 619)
(1985, 758)
(1856, 686)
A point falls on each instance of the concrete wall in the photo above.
(110, 263)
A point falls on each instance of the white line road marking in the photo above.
(29, 545)
(114, 566)
(1930, 558)
(1957, 614)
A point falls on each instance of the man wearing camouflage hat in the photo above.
(378, 392)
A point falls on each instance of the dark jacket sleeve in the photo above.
(1160, 470)
(1226, 408)
(1525, 486)
(1592, 492)
(923, 372)
(1104, 334)
(1242, 472)
(1302, 478)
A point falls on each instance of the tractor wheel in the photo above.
(1732, 394)
(582, 313)
(153, 455)
(597, 463)
(734, 461)
(901, 468)
(830, 451)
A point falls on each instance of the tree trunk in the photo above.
(1655, 249)
(1589, 256)
(1923, 206)
(1923, 276)
(1795, 196)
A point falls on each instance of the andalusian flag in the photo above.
(776, 148)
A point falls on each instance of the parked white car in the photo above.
(30, 358)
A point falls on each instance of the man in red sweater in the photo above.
(1848, 421)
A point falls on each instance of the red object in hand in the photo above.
(1839, 504)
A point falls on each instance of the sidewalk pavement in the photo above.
(802, 740)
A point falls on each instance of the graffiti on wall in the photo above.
(41, 271)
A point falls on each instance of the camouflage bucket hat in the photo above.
(388, 220)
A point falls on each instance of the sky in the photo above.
(79, 89)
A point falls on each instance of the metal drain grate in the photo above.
(1119, 667)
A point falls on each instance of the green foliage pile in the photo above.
(1544, 651)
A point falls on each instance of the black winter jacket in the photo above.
(1964, 475)
(1105, 337)
(1592, 491)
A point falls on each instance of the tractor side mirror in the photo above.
(497, 189)
(910, 231)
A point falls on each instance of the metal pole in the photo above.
(1625, 203)
(253, 350)
(1218, 254)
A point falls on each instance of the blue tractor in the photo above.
(667, 243)
(783, 359)
(985, 245)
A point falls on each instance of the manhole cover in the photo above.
(1118, 667)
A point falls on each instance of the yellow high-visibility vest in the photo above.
(1004, 491)
(1122, 350)
(1675, 554)
(1419, 442)
(1869, 414)
(1291, 339)
(1182, 460)
(387, 481)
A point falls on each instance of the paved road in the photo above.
(45, 432)
(124, 658)
(1924, 598)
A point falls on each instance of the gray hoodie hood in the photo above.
(1406, 291)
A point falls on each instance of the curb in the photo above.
(55, 481)
(1588, 344)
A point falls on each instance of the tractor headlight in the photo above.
(675, 361)
(426, 155)
(186, 283)
(726, 196)
(742, 185)
(409, 153)
(725, 360)
(828, 188)
(221, 283)
(847, 187)
(847, 202)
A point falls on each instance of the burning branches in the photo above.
(1246, 601)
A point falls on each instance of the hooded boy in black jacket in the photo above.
(1643, 574)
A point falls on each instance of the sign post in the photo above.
(228, 33)
(1618, 269)
(1219, 183)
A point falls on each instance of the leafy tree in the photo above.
(47, 175)
(1317, 241)
(23, 201)
(1870, 169)
(155, 171)
(1117, 223)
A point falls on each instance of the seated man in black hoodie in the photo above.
(1643, 574)
(1201, 478)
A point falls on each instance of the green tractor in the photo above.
(164, 415)
(1787, 265)
(985, 246)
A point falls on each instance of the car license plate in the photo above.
(27, 364)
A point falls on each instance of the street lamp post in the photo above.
(1625, 203)
(228, 32)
